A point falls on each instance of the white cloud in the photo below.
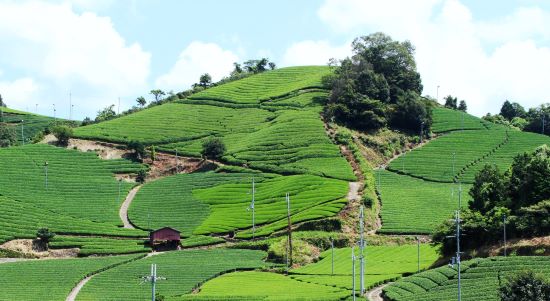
(452, 47)
(196, 59)
(313, 53)
(66, 51)
(23, 89)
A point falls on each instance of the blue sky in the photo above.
(480, 51)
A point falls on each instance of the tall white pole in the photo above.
(504, 233)
(153, 281)
(70, 106)
(353, 272)
(253, 209)
(118, 108)
(362, 250)
(332, 255)
(22, 133)
(458, 252)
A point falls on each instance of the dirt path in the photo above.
(77, 288)
(375, 294)
(123, 212)
(353, 193)
(8, 260)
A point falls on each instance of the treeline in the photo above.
(519, 196)
(378, 86)
(514, 115)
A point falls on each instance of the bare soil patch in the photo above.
(30, 247)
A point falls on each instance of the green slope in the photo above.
(480, 280)
(30, 123)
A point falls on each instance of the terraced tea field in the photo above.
(267, 86)
(411, 205)
(31, 125)
(446, 120)
(206, 203)
(184, 270)
(383, 263)
(49, 279)
(480, 279)
(264, 286)
(78, 184)
(22, 220)
(100, 245)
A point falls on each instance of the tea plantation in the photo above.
(184, 270)
(31, 124)
(480, 279)
(50, 279)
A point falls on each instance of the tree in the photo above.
(106, 114)
(141, 176)
(510, 110)
(238, 69)
(87, 121)
(157, 94)
(2, 104)
(45, 235)
(213, 148)
(462, 106)
(489, 189)
(272, 65)
(153, 153)
(525, 286)
(63, 133)
(451, 102)
(138, 148)
(141, 101)
(205, 80)
(392, 59)
(8, 136)
(530, 178)
(411, 113)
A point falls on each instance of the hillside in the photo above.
(429, 176)
(480, 279)
(31, 124)
(277, 143)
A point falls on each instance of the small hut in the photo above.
(168, 237)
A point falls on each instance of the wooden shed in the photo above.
(165, 235)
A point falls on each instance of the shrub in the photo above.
(525, 286)
(8, 136)
(213, 148)
(63, 133)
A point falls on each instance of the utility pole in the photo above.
(504, 233)
(119, 188)
(118, 107)
(362, 250)
(459, 195)
(153, 278)
(332, 254)
(54, 110)
(289, 228)
(543, 122)
(437, 93)
(46, 173)
(177, 162)
(252, 207)
(22, 133)
(36, 108)
(353, 272)
(457, 257)
(418, 253)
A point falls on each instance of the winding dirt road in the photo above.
(375, 294)
(123, 212)
(77, 288)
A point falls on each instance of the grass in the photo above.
(267, 86)
(382, 263)
(179, 208)
(79, 184)
(32, 123)
(22, 220)
(204, 203)
(264, 286)
(446, 120)
(99, 245)
(411, 205)
(228, 202)
(480, 279)
(49, 279)
(184, 270)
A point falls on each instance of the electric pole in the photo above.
(252, 207)
(70, 106)
(421, 132)
(119, 188)
(353, 272)
(153, 278)
(22, 133)
(118, 107)
(437, 93)
(418, 253)
(289, 228)
(54, 110)
(177, 162)
(46, 173)
(456, 259)
(362, 251)
(543, 122)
